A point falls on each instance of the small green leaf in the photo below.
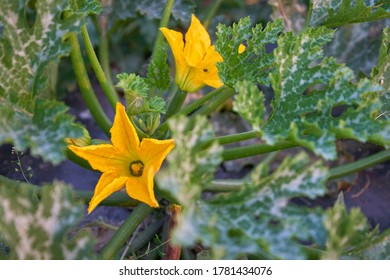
(254, 62)
(86, 7)
(249, 103)
(335, 13)
(347, 231)
(381, 74)
(39, 229)
(308, 90)
(191, 165)
(158, 70)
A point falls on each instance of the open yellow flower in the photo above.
(126, 162)
(195, 59)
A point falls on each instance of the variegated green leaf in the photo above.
(39, 227)
(191, 165)
(348, 231)
(309, 88)
(249, 103)
(259, 220)
(26, 48)
(152, 9)
(253, 63)
(333, 13)
(381, 74)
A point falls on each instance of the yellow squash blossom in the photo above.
(126, 162)
(195, 59)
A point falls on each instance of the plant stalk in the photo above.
(101, 76)
(86, 89)
(125, 231)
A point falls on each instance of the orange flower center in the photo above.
(136, 168)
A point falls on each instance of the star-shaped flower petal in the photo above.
(127, 162)
(195, 59)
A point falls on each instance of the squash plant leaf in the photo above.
(348, 232)
(381, 74)
(26, 48)
(254, 62)
(39, 228)
(317, 99)
(158, 76)
(152, 9)
(191, 165)
(335, 13)
(259, 219)
(249, 103)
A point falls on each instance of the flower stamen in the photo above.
(136, 168)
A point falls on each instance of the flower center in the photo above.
(136, 168)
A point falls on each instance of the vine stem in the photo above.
(354, 167)
(125, 231)
(194, 105)
(105, 84)
(86, 89)
(163, 23)
(211, 12)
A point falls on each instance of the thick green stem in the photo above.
(211, 12)
(216, 102)
(175, 103)
(242, 136)
(125, 231)
(105, 84)
(105, 58)
(194, 105)
(163, 23)
(354, 167)
(252, 150)
(86, 89)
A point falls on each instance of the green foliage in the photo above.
(86, 7)
(136, 91)
(152, 9)
(249, 103)
(253, 64)
(308, 90)
(348, 231)
(40, 227)
(381, 73)
(258, 220)
(335, 13)
(194, 160)
(26, 48)
(158, 70)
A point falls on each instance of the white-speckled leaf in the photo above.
(26, 48)
(249, 103)
(39, 227)
(316, 99)
(381, 74)
(260, 219)
(333, 13)
(254, 63)
(348, 232)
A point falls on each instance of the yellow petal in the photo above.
(104, 157)
(108, 184)
(123, 134)
(197, 42)
(142, 188)
(175, 41)
(241, 48)
(154, 151)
